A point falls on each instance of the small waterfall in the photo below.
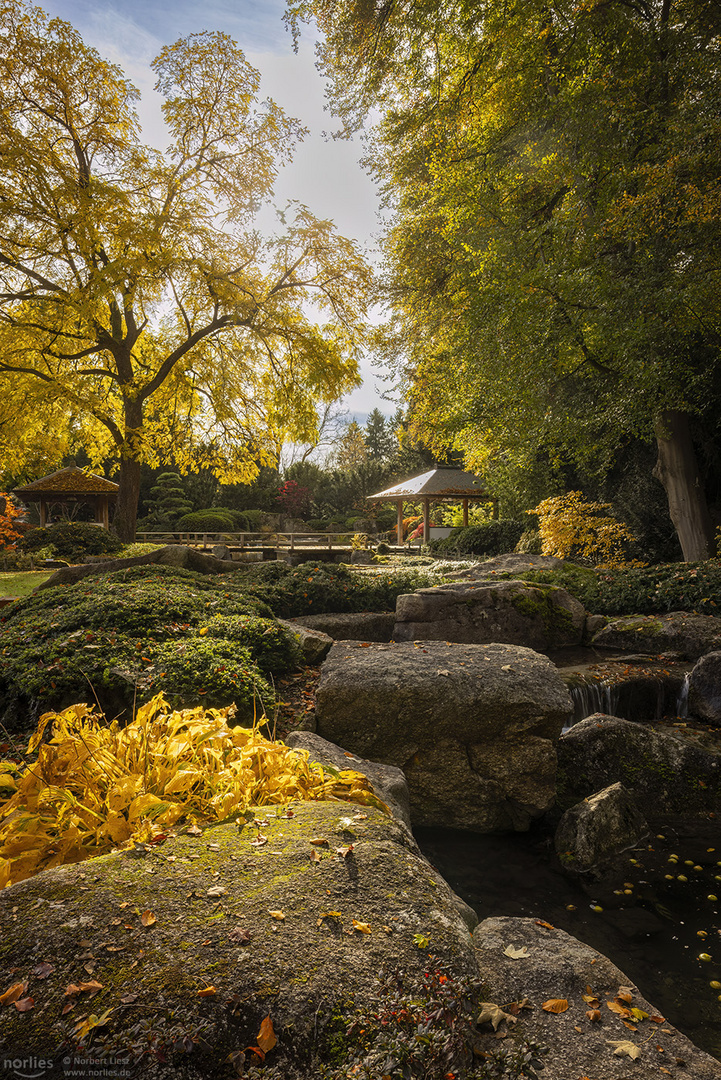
(682, 699)
(593, 697)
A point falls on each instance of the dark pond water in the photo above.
(652, 926)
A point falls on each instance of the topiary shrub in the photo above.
(72, 540)
(217, 519)
(494, 537)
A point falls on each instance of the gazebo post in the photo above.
(465, 513)
(426, 521)
(400, 523)
(43, 513)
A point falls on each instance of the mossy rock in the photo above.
(305, 970)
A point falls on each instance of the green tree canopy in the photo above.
(134, 290)
(552, 168)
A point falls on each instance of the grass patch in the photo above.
(22, 583)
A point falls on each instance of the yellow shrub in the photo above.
(95, 787)
(573, 528)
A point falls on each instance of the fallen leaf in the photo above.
(492, 1014)
(276, 915)
(71, 988)
(41, 971)
(594, 1015)
(91, 987)
(13, 993)
(148, 918)
(555, 1005)
(128, 999)
(239, 936)
(194, 831)
(658, 1019)
(639, 1014)
(631, 1027)
(548, 925)
(618, 1008)
(344, 852)
(319, 841)
(216, 890)
(68, 1007)
(25, 1004)
(515, 952)
(314, 856)
(625, 993)
(363, 927)
(266, 1035)
(259, 841)
(207, 991)
(625, 1049)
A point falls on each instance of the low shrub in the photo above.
(640, 590)
(72, 540)
(571, 527)
(495, 537)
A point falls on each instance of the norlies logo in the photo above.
(28, 1067)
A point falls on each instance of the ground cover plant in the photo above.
(96, 786)
(72, 540)
(640, 591)
(128, 635)
(316, 587)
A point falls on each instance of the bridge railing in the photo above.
(249, 540)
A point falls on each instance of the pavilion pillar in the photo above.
(465, 513)
(43, 513)
(102, 512)
(426, 521)
(399, 523)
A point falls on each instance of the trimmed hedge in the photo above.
(489, 538)
(648, 590)
(72, 540)
(217, 519)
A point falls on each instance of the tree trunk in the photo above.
(126, 511)
(677, 469)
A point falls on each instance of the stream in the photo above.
(656, 920)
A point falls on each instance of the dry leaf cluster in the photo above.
(97, 786)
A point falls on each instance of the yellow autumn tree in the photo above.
(135, 293)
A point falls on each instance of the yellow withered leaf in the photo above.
(555, 1005)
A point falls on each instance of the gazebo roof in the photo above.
(70, 481)
(438, 484)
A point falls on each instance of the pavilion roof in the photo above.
(439, 484)
(70, 481)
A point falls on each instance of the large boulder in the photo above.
(679, 633)
(539, 617)
(472, 726)
(704, 689)
(388, 782)
(593, 833)
(351, 625)
(664, 772)
(558, 968)
(296, 929)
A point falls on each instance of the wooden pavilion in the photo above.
(72, 484)
(437, 485)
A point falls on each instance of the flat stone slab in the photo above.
(682, 633)
(472, 726)
(514, 612)
(351, 625)
(559, 967)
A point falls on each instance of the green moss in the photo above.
(557, 621)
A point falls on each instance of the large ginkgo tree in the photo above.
(138, 303)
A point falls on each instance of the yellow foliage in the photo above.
(95, 787)
(572, 527)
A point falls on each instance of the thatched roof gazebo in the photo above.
(71, 485)
(437, 485)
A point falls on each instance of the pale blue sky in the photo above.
(324, 175)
